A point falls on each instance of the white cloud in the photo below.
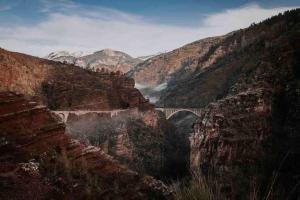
(91, 29)
(50, 5)
(242, 17)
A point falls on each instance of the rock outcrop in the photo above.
(39, 161)
(67, 87)
(248, 140)
(233, 137)
(133, 137)
(104, 60)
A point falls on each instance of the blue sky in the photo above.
(139, 27)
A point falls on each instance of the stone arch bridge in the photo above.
(169, 112)
(64, 114)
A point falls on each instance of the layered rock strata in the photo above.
(248, 140)
(66, 87)
(34, 149)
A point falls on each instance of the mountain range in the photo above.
(243, 141)
(105, 60)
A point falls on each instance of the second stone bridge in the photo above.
(169, 112)
(64, 114)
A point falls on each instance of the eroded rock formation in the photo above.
(39, 161)
(134, 137)
(66, 87)
(248, 140)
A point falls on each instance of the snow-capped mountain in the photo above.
(106, 59)
(58, 54)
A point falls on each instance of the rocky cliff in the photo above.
(248, 139)
(66, 87)
(261, 48)
(104, 60)
(39, 161)
(133, 137)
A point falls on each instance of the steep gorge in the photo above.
(34, 149)
(247, 83)
(249, 132)
(134, 137)
(67, 87)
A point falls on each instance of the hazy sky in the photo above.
(137, 27)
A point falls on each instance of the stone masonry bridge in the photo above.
(64, 114)
(169, 112)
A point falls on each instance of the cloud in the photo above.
(73, 27)
(242, 17)
(59, 5)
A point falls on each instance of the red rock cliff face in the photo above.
(35, 150)
(66, 87)
(133, 137)
(252, 131)
(233, 135)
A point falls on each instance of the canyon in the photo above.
(36, 150)
(248, 128)
(246, 83)
(225, 108)
(32, 87)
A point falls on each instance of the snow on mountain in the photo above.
(106, 59)
(58, 54)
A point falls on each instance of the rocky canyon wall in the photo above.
(248, 140)
(134, 137)
(39, 161)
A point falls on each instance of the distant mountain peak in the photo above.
(107, 59)
(57, 54)
(109, 51)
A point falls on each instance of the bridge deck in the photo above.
(169, 112)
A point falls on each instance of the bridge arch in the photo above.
(62, 116)
(169, 112)
(183, 110)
